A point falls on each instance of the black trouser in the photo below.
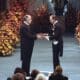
(55, 51)
(27, 60)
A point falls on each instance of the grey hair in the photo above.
(40, 76)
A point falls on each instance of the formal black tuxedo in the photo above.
(27, 44)
(58, 77)
(56, 34)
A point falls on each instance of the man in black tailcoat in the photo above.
(27, 42)
(56, 36)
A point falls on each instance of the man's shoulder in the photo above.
(24, 25)
(61, 77)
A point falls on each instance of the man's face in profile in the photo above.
(28, 19)
(52, 19)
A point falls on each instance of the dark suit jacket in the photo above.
(27, 40)
(58, 36)
(56, 33)
(58, 77)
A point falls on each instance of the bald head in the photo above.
(28, 19)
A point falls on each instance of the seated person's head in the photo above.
(34, 73)
(58, 69)
(18, 76)
(19, 70)
(40, 76)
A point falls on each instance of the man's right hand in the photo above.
(39, 36)
(42, 36)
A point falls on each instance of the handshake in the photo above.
(42, 36)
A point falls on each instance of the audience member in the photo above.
(34, 73)
(19, 70)
(40, 76)
(57, 75)
(18, 76)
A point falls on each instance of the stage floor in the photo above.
(42, 59)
